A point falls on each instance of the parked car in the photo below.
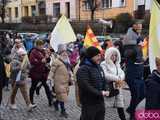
(25, 35)
(43, 36)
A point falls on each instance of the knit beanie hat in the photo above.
(61, 48)
(92, 51)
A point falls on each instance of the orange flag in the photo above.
(91, 40)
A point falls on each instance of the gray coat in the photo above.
(130, 38)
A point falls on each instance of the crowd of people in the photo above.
(97, 75)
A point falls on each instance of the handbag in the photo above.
(112, 88)
(112, 91)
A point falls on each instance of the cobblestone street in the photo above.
(44, 112)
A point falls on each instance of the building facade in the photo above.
(142, 8)
(13, 11)
(75, 9)
(56, 7)
(29, 8)
(106, 9)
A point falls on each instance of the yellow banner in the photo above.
(154, 34)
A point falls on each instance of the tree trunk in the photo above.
(3, 15)
(92, 14)
(3, 10)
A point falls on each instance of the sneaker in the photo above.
(14, 107)
(31, 106)
(64, 114)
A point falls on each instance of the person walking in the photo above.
(39, 71)
(20, 70)
(60, 74)
(114, 73)
(91, 83)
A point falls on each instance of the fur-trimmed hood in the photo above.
(109, 53)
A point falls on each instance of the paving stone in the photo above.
(44, 112)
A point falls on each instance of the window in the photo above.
(106, 3)
(141, 11)
(56, 10)
(9, 12)
(86, 5)
(118, 3)
(33, 8)
(122, 3)
(26, 11)
(16, 12)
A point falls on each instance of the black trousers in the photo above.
(1, 87)
(94, 112)
(121, 113)
(34, 84)
(137, 90)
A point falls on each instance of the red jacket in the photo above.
(38, 70)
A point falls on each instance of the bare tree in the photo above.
(3, 4)
(93, 4)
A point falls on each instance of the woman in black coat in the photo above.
(2, 76)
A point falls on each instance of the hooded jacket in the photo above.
(113, 72)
